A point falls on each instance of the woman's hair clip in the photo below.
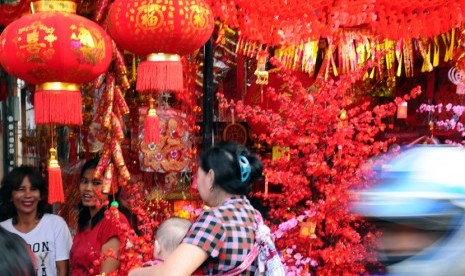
(245, 168)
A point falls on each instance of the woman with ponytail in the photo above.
(223, 240)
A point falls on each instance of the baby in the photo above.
(169, 235)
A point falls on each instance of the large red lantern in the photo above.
(161, 30)
(57, 51)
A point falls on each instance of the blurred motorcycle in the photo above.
(418, 201)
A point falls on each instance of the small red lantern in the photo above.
(162, 30)
(57, 51)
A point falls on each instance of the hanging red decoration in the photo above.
(55, 181)
(55, 50)
(163, 31)
(415, 19)
(278, 22)
(152, 124)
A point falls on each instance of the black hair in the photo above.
(16, 258)
(223, 159)
(13, 181)
(84, 212)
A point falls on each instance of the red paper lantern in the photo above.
(161, 30)
(56, 50)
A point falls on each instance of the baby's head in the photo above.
(169, 235)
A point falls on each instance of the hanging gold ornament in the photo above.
(260, 72)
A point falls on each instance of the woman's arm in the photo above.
(110, 264)
(183, 261)
(62, 267)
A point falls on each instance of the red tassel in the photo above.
(57, 106)
(160, 73)
(55, 181)
(151, 127)
(151, 124)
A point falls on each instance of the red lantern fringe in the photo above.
(159, 76)
(58, 107)
(55, 181)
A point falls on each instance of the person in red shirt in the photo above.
(98, 235)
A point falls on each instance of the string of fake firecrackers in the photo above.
(111, 107)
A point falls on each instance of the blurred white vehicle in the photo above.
(418, 202)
